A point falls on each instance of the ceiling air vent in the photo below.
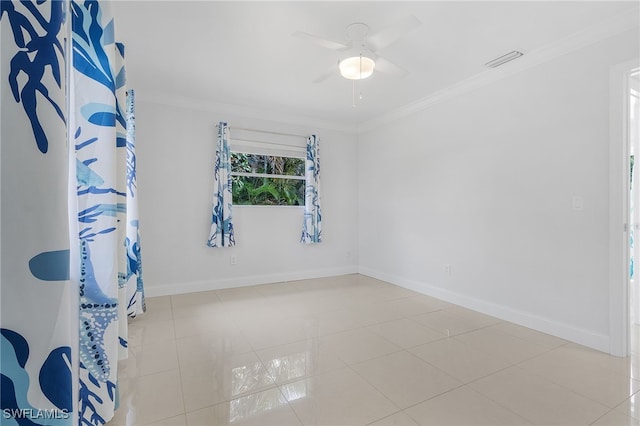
(504, 59)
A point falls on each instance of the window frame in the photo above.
(268, 150)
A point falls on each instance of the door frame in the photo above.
(619, 220)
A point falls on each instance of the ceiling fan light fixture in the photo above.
(357, 67)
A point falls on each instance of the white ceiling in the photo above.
(243, 53)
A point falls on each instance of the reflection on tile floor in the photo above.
(352, 350)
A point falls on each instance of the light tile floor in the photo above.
(352, 350)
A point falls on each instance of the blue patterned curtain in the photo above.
(221, 234)
(109, 271)
(99, 204)
(70, 250)
(121, 190)
(38, 336)
(312, 225)
(133, 278)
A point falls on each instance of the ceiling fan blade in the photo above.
(325, 75)
(321, 41)
(385, 66)
(391, 34)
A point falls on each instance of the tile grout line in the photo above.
(565, 387)
(184, 402)
(275, 384)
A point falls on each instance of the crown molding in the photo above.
(214, 107)
(606, 29)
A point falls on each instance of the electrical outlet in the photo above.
(577, 202)
(233, 260)
(447, 269)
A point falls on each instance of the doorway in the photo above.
(624, 307)
(633, 137)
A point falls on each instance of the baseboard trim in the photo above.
(565, 331)
(206, 285)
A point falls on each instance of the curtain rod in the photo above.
(268, 132)
(268, 143)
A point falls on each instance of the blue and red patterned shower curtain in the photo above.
(70, 259)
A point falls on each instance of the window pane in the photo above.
(240, 162)
(268, 191)
(273, 165)
(293, 166)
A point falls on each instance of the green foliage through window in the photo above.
(267, 180)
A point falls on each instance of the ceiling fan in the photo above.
(360, 57)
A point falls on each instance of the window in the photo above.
(268, 180)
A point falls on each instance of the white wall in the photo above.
(176, 149)
(484, 182)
